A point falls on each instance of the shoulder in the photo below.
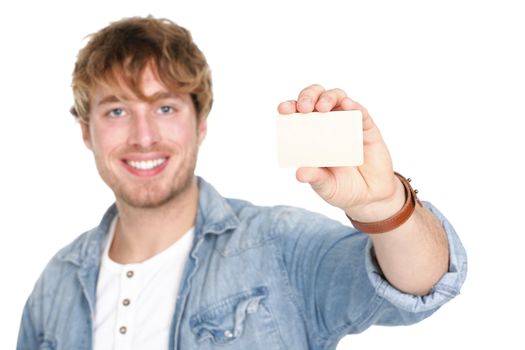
(64, 265)
(283, 220)
(246, 210)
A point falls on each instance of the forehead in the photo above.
(147, 86)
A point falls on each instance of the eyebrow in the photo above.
(108, 99)
(158, 96)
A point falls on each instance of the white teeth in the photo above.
(146, 164)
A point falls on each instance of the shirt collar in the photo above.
(214, 216)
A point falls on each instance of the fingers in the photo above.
(349, 105)
(316, 98)
(309, 97)
(330, 100)
(287, 107)
(305, 102)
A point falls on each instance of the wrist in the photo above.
(380, 210)
(394, 221)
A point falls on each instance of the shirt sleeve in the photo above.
(27, 337)
(444, 290)
(338, 284)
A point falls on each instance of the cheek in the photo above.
(183, 133)
(105, 140)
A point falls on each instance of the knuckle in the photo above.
(328, 97)
(338, 92)
(316, 87)
(312, 90)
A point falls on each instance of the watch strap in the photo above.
(398, 218)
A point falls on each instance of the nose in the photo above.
(144, 132)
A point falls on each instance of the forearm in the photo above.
(414, 256)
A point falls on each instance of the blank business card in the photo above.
(320, 139)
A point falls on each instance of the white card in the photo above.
(320, 139)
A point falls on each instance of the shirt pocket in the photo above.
(47, 343)
(243, 319)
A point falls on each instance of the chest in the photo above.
(238, 299)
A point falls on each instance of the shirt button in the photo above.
(123, 330)
(129, 274)
(228, 334)
(125, 302)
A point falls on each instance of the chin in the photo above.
(147, 202)
(151, 198)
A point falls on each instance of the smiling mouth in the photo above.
(146, 164)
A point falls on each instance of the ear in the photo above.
(86, 135)
(202, 129)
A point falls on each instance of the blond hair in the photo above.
(126, 47)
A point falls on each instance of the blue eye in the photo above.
(116, 112)
(166, 109)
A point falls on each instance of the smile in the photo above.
(146, 164)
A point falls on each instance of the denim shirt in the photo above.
(256, 278)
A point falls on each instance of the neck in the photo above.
(141, 233)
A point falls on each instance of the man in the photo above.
(173, 265)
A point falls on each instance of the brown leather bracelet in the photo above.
(398, 218)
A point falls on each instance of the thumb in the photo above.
(318, 178)
(308, 174)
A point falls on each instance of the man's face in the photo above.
(145, 151)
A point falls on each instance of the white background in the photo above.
(444, 81)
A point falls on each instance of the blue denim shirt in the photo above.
(256, 278)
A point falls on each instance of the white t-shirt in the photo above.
(135, 302)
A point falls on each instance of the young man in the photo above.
(173, 265)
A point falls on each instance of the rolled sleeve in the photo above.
(444, 290)
(332, 271)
